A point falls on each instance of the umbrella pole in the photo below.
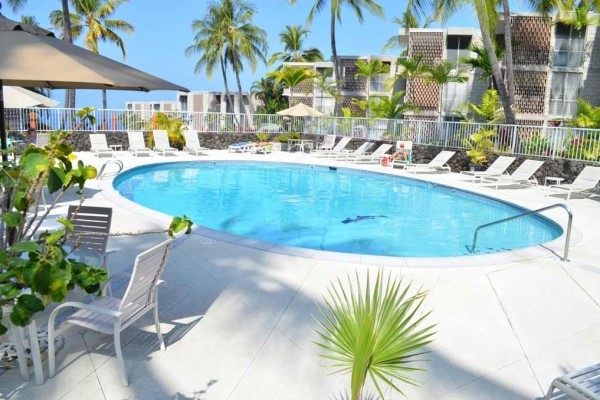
(3, 142)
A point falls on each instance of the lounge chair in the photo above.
(161, 143)
(439, 163)
(375, 156)
(263, 149)
(192, 143)
(497, 168)
(109, 315)
(587, 179)
(404, 150)
(522, 175)
(240, 147)
(579, 385)
(98, 145)
(337, 149)
(137, 145)
(326, 145)
(361, 150)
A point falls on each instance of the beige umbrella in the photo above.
(31, 56)
(17, 97)
(300, 110)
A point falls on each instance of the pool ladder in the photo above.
(103, 174)
(539, 210)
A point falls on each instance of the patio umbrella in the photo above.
(300, 110)
(31, 56)
(17, 97)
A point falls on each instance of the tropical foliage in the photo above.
(335, 8)
(489, 110)
(480, 146)
(270, 94)
(226, 36)
(294, 51)
(368, 70)
(374, 332)
(292, 77)
(586, 116)
(482, 61)
(173, 125)
(391, 107)
(92, 20)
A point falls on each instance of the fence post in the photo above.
(445, 128)
(513, 142)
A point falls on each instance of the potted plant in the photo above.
(480, 146)
(280, 143)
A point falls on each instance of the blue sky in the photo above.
(163, 31)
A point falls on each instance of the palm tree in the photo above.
(67, 36)
(336, 14)
(293, 47)
(391, 107)
(270, 94)
(243, 41)
(586, 116)
(209, 42)
(94, 15)
(487, 16)
(30, 20)
(482, 61)
(368, 70)
(292, 77)
(442, 74)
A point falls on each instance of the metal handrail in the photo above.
(119, 164)
(539, 210)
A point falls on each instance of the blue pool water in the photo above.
(331, 209)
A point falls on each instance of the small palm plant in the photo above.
(376, 332)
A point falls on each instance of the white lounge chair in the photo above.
(240, 147)
(337, 149)
(137, 145)
(404, 150)
(587, 179)
(161, 143)
(439, 163)
(326, 145)
(375, 156)
(362, 149)
(110, 315)
(522, 175)
(497, 168)
(98, 145)
(192, 143)
(579, 385)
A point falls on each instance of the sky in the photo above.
(163, 32)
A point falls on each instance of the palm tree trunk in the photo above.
(497, 73)
(336, 65)
(241, 94)
(508, 55)
(68, 36)
(228, 99)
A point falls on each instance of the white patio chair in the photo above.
(42, 139)
(375, 156)
(587, 179)
(91, 226)
(98, 145)
(137, 145)
(579, 385)
(337, 149)
(522, 175)
(439, 163)
(240, 147)
(326, 145)
(497, 168)
(192, 143)
(361, 150)
(403, 153)
(110, 315)
(161, 143)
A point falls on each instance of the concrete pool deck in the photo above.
(237, 314)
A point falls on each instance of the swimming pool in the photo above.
(333, 209)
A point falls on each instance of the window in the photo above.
(569, 47)
(456, 48)
(378, 83)
(156, 107)
(129, 106)
(564, 91)
(183, 103)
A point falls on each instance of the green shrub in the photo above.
(295, 135)
(282, 138)
(536, 145)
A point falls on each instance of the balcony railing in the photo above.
(542, 141)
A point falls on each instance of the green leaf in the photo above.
(56, 179)
(12, 218)
(67, 223)
(34, 163)
(24, 247)
(24, 309)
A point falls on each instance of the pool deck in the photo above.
(237, 313)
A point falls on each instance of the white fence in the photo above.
(544, 141)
